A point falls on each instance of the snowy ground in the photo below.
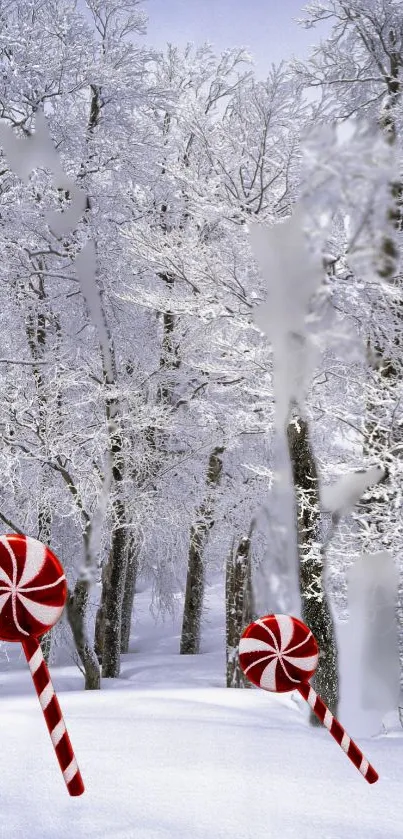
(166, 752)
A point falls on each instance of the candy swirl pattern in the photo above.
(278, 652)
(33, 588)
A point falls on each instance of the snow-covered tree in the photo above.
(83, 88)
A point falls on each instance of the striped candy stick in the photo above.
(338, 732)
(53, 716)
(33, 593)
(279, 653)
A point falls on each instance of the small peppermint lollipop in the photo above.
(33, 593)
(279, 653)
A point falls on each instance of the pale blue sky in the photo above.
(265, 27)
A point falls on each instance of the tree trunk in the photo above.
(129, 592)
(399, 616)
(45, 535)
(100, 618)
(239, 609)
(114, 599)
(76, 610)
(190, 638)
(170, 358)
(37, 336)
(195, 581)
(113, 594)
(316, 611)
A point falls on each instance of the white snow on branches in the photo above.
(24, 155)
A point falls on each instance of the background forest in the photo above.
(180, 421)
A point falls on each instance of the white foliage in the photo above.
(210, 170)
(38, 150)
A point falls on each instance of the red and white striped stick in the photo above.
(338, 732)
(279, 653)
(53, 716)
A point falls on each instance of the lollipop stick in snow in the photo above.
(279, 653)
(33, 593)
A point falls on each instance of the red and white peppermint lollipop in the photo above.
(279, 653)
(33, 593)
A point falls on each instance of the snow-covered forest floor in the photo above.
(167, 752)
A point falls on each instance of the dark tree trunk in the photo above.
(191, 625)
(316, 611)
(239, 607)
(129, 592)
(389, 254)
(116, 575)
(112, 595)
(195, 581)
(100, 618)
(45, 535)
(170, 358)
(36, 330)
(77, 603)
(76, 610)
(114, 599)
